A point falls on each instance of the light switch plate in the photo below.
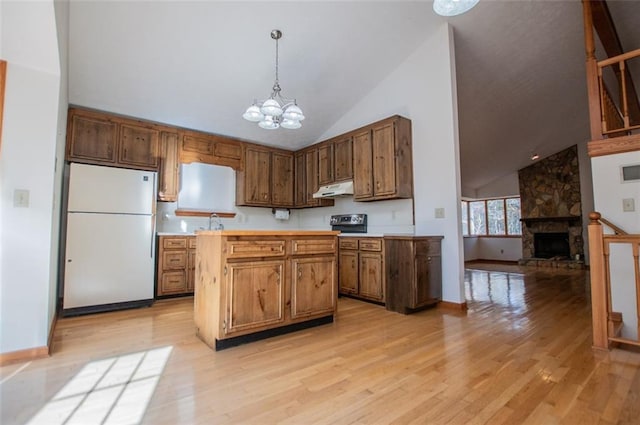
(21, 198)
(439, 212)
(628, 205)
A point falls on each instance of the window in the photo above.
(491, 217)
(478, 218)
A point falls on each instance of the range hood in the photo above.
(336, 189)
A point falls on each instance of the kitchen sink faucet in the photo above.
(219, 225)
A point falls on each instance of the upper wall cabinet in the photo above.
(307, 179)
(343, 158)
(210, 149)
(98, 138)
(169, 172)
(267, 179)
(383, 160)
(335, 160)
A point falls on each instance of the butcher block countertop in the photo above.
(267, 232)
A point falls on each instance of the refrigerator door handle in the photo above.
(153, 232)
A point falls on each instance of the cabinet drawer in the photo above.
(427, 247)
(173, 282)
(192, 243)
(174, 243)
(313, 246)
(348, 243)
(370, 244)
(172, 260)
(251, 249)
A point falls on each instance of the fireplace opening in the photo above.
(551, 245)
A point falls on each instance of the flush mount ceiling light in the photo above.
(534, 156)
(276, 111)
(452, 7)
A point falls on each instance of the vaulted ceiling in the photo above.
(520, 67)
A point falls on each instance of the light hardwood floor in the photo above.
(520, 355)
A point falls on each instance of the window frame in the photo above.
(486, 234)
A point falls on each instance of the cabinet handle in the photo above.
(125, 152)
(299, 272)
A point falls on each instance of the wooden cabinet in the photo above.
(91, 138)
(176, 265)
(256, 295)
(343, 158)
(249, 282)
(362, 268)
(335, 160)
(138, 146)
(313, 289)
(169, 172)
(210, 149)
(325, 164)
(307, 180)
(413, 272)
(282, 180)
(103, 139)
(267, 179)
(383, 160)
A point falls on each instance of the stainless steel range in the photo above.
(349, 223)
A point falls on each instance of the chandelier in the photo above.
(276, 111)
(453, 7)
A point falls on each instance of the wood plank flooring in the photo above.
(520, 355)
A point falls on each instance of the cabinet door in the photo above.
(311, 173)
(191, 270)
(348, 273)
(343, 159)
(325, 164)
(428, 281)
(138, 146)
(257, 171)
(312, 286)
(282, 178)
(255, 295)
(371, 270)
(384, 160)
(169, 168)
(301, 181)
(172, 283)
(362, 171)
(92, 139)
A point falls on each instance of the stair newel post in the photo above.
(593, 87)
(598, 283)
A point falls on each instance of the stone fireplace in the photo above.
(551, 211)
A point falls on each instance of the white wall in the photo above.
(493, 248)
(27, 161)
(500, 187)
(423, 89)
(609, 191)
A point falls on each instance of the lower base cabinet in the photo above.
(176, 265)
(403, 272)
(413, 272)
(250, 284)
(362, 268)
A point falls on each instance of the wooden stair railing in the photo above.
(608, 324)
(617, 62)
(615, 125)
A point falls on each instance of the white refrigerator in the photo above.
(109, 254)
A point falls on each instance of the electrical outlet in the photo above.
(628, 205)
(439, 212)
(21, 198)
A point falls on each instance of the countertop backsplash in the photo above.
(383, 217)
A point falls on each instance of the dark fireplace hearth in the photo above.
(551, 245)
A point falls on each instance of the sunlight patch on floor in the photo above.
(109, 391)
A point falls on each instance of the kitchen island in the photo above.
(252, 284)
